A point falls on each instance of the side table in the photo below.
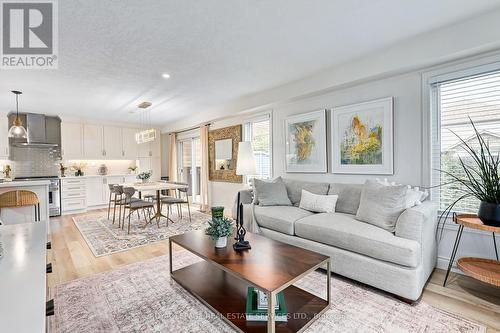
(475, 267)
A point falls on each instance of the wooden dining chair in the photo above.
(21, 198)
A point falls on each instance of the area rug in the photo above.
(141, 297)
(104, 238)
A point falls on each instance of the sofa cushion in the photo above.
(381, 205)
(271, 193)
(295, 187)
(349, 196)
(345, 232)
(279, 218)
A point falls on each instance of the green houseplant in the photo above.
(144, 176)
(478, 176)
(218, 229)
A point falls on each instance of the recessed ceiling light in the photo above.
(165, 75)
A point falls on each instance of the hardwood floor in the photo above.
(72, 259)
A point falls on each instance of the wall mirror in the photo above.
(223, 152)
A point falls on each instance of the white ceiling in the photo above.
(112, 53)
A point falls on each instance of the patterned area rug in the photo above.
(141, 297)
(104, 238)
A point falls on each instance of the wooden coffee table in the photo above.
(222, 279)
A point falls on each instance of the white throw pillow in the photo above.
(414, 196)
(318, 203)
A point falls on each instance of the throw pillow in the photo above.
(381, 205)
(414, 196)
(318, 203)
(271, 193)
(255, 193)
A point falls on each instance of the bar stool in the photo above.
(111, 199)
(21, 198)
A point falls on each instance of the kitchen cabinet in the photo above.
(73, 194)
(71, 140)
(4, 140)
(113, 142)
(130, 146)
(95, 191)
(93, 141)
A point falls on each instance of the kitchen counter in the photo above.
(90, 176)
(22, 277)
(24, 183)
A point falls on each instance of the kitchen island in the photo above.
(17, 215)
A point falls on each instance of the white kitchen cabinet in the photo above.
(145, 149)
(93, 141)
(130, 146)
(113, 142)
(71, 140)
(95, 191)
(73, 194)
(4, 140)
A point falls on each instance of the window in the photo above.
(258, 131)
(455, 100)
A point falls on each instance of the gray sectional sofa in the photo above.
(399, 263)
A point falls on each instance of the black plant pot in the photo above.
(489, 213)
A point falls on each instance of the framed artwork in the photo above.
(306, 142)
(362, 138)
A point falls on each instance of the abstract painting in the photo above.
(306, 142)
(363, 138)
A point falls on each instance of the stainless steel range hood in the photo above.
(43, 131)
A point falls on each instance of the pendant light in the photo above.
(17, 130)
(147, 133)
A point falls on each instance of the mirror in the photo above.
(224, 155)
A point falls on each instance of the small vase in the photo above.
(489, 213)
(221, 242)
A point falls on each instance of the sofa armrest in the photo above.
(246, 197)
(418, 223)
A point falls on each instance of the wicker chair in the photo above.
(21, 198)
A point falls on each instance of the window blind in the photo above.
(476, 97)
(258, 131)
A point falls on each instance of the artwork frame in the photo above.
(228, 176)
(363, 138)
(302, 157)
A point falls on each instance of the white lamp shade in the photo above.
(245, 165)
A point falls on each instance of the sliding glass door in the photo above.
(189, 157)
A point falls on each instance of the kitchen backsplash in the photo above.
(115, 167)
(30, 162)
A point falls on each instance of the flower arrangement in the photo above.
(218, 229)
(78, 168)
(144, 176)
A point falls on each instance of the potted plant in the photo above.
(78, 168)
(478, 177)
(132, 169)
(218, 229)
(144, 176)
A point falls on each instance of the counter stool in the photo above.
(21, 198)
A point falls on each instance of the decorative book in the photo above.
(262, 301)
(254, 313)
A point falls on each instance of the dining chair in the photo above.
(21, 198)
(179, 200)
(134, 206)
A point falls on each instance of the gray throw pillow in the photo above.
(381, 205)
(271, 193)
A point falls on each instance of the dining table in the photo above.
(157, 186)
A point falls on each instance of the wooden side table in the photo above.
(485, 270)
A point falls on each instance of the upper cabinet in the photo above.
(113, 142)
(4, 140)
(93, 147)
(130, 146)
(71, 140)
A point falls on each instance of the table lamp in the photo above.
(245, 166)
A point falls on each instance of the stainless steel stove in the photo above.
(54, 192)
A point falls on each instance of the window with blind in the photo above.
(258, 131)
(476, 97)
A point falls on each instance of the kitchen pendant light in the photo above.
(17, 130)
(147, 133)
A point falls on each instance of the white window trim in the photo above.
(447, 72)
(264, 115)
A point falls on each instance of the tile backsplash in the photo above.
(31, 161)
